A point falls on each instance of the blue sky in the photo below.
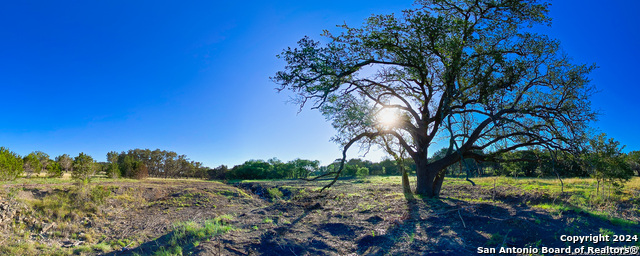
(193, 77)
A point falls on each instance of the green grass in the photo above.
(101, 247)
(558, 209)
(96, 179)
(71, 204)
(35, 248)
(187, 235)
(275, 193)
(579, 193)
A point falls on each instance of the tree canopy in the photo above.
(470, 73)
(606, 162)
(83, 168)
(11, 165)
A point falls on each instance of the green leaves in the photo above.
(32, 163)
(54, 170)
(83, 168)
(10, 164)
(606, 161)
(458, 70)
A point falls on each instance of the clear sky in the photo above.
(193, 76)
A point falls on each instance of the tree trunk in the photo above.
(406, 187)
(437, 183)
(422, 184)
(429, 178)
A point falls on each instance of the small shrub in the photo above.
(275, 193)
(101, 247)
(99, 194)
(82, 249)
(224, 219)
(495, 240)
(362, 172)
(87, 237)
(140, 171)
(54, 170)
(113, 171)
(188, 234)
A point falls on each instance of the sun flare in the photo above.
(388, 117)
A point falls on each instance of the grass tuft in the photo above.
(187, 235)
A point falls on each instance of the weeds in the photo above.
(559, 209)
(69, 205)
(275, 193)
(187, 235)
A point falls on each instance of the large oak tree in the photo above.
(469, 72)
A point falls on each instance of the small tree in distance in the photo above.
(633, 159)
(11, 166)
(44, 160)
(607, 163)
(54, 170)
(65, 162)
(83, 168)
(32, 164)
(113, 170)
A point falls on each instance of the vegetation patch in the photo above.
(188, 235)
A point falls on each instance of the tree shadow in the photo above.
(274, 242)
(146, 248)
(438, 226)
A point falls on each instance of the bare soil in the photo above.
(353, 218)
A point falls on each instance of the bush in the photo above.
(362, 172)
(54, 170)
(99, 194)
(138, 171)
(132, 168)
(633, 160)
(189, 234)
(113, 171)
(252, 169)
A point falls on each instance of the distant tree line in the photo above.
(135, 163)
(601, 158)
(142, 163)
(270, 169)
(12, 165)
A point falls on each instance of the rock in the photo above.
(68, 244)
(47, 226)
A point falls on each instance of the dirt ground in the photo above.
(375, 219)
(355, 217)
